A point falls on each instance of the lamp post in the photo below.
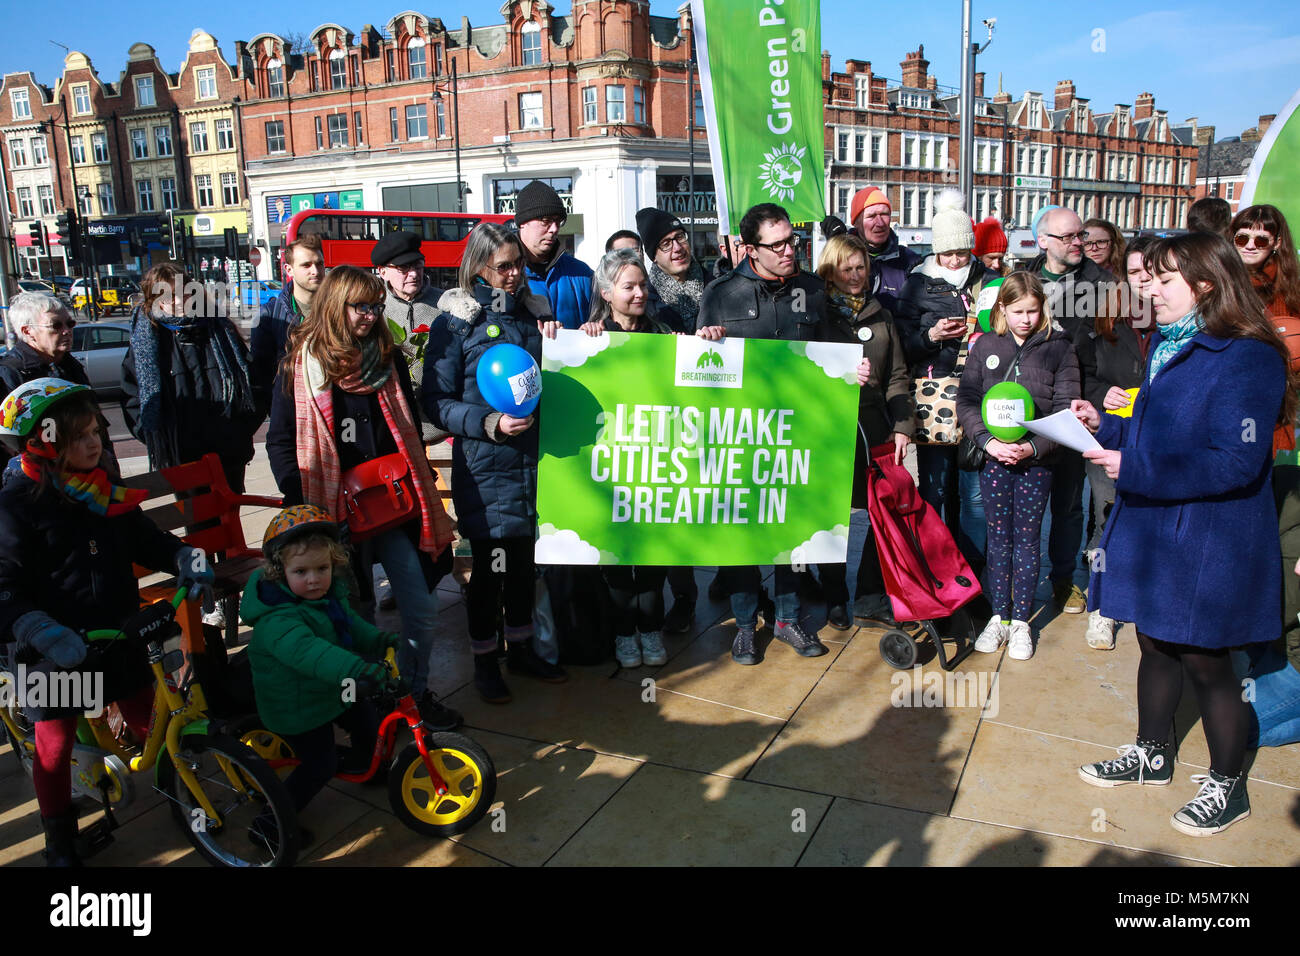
(455, 129)
(966, 128)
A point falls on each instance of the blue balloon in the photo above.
(509, 380)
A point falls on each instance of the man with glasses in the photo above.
(891, 263)
(552, 272)
(1074, 285)
(44, 350)
(767, 296)
(305, 263)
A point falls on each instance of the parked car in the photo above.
(40, 285)
(114, 294)
(100, 348)
(258, 292)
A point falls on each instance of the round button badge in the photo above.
(493, 331)
(992, 362)
(864, 334)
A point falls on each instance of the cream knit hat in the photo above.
(952, 228)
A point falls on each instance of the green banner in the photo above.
(673, 450)
(761, 79)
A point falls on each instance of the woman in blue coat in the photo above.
(1190, 553)
(494, 457)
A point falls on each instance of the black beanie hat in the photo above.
(654, 224)
(537, 200)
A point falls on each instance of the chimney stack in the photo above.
(979, 85)
(1064, 95)
(1143, 106)
(915, 66)
(1265, 122)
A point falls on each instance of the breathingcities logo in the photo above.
(705, 364)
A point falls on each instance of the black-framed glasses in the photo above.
(793, 241)
(1068, 238)
(1245, 240)
(1096, 243)
(368, 308)
(677, 239)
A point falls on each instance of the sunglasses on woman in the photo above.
(1245, 240)
(368, 308)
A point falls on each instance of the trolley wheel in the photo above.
(898, 649)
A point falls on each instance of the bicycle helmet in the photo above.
(294, 523)
(28, 404)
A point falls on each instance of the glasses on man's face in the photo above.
(792, 242)
(368, 308)
(58, 327)
(408, 267)
(1246, 240)
(1069, 239)
(1096, 244)
(506, 268)
(549, 221)
(680, 239)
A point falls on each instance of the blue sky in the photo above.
(1226, 70)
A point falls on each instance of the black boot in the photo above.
(522, 659)
(487, 679)
(61, 839)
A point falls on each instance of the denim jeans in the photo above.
(1275, 711)
(745, 584)
(417, 605)
(973, 527)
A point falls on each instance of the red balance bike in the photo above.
(439, 785)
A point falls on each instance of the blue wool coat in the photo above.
(1191, 548)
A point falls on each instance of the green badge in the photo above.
(493, 331)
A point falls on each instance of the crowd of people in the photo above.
(1161, 347)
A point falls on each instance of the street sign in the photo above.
(255, 256)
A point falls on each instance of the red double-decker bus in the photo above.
(347, 236)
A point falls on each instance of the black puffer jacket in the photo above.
(58, 557)
(1104, 365)
(1045, 365)
(22, 364)
(927, 297)
(751, 307)
(493, 477)
(192, 385)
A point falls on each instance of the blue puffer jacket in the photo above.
(266, 344)
(493, 478)
(566, 283)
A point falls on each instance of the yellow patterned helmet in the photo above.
(293, 523)
(27, 404)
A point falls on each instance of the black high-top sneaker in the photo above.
(1220, 803)
(1145, 762)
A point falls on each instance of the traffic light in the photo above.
(138, 246)
(38, 236)
(178, 240)
(232, 242)
(67, 226)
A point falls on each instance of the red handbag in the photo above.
(378, 495)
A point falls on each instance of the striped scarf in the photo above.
(318, 458)
(90, 488)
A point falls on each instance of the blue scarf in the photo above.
(1174, 338)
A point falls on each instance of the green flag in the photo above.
(674, 450)
(1274, 174)
(761, 76)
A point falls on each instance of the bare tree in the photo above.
(295, 41)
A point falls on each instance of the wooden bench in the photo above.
(195, 502)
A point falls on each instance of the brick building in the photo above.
(34, 190)
(1130, 165)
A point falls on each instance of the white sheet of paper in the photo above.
(1064, 429)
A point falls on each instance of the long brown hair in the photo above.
(326, 332)
(1229, 307)
(1114, 263)
(159, 281)
(1287, 283)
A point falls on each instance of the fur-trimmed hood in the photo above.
(465, 306)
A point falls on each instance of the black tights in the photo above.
(1225, 716)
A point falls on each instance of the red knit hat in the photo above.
(989, 237)
(864, 197)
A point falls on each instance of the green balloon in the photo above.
(984, 302)
(1005, 404)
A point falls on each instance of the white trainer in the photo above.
(993, 636)
(653, 652)
(1101, 631)
(628, 650)
(1021, 644)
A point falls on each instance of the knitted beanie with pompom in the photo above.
(953, 229)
